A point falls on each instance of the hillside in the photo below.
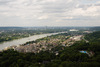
(95, 28)
(95, 36)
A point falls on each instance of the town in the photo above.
(48, 43)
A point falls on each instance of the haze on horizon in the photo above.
(49, 12)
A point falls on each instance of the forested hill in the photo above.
(10, 28)
(95, 28)
(95, 36)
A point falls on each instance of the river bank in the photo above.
(24, 40)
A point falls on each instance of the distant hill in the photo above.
(9, 28)
(95, 28)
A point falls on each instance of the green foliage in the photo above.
(95, 36)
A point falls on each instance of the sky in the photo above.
(49, 12)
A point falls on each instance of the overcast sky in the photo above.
(49, 12)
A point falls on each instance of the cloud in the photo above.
(90, 11)
(43, 17)
(50, 11)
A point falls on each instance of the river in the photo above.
(24, 40)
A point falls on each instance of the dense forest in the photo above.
(67, 57)
(97, 28)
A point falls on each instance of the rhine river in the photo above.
(24, 40)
